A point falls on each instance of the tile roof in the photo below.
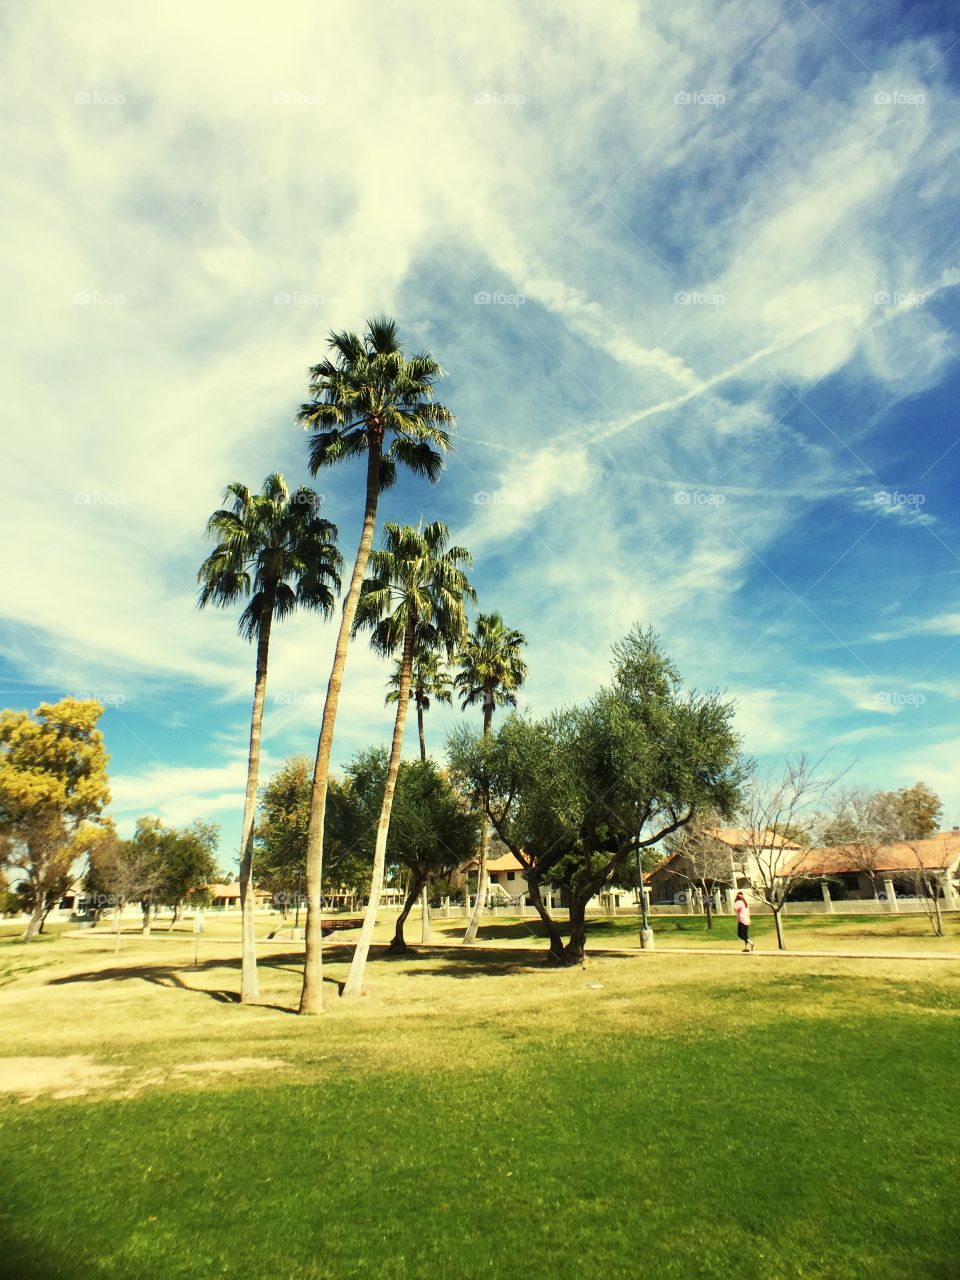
(937, 853)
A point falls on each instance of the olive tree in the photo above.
(577, 796)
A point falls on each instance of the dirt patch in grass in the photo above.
(69, 1077)
(77, 1075)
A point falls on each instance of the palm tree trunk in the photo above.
(471, 935)
(354, 983)
(249, 982)
(423, 740)
(311, 995)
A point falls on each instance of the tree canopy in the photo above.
(578, 794)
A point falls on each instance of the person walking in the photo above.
(742, 909)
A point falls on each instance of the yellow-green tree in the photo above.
(53, 778)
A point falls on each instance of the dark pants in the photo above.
(743, 933)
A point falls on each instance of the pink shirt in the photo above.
(743, 912)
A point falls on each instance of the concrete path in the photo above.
(773, 953)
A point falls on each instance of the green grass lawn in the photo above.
(476, 1114)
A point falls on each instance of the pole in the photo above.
(646, 933)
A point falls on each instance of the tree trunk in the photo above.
(553, 933)
(48, 907)
(116, 927)
(937, 915)
(145, 908)
(35, 921)
(471, 935)
(311, 995)
(708, 907)
(354, 983)
(573, 952)
(249, 980)
(423, 740)
(425, 917)
(398, 944)
(777, 921)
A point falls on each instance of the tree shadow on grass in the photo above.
(458, 961)
(492, 930)
(28, 1260)
(175, 977)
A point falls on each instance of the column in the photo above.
(827, 900)
(889, 890)
(949, 893)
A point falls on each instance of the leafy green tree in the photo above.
(187, 862)
(412, 600)
(431, 833)
(578, 795)
(284, 824)
(53, 778)
(373, 402)
(275, 553)
(918, 810)
(491, 671)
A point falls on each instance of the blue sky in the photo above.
(693, 272)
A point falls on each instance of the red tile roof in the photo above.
(937, 853)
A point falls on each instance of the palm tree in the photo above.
(276, 553)
(412, 600)
(430, 682)
(369, 401)
(491, 672)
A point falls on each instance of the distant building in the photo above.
(225, 896)
(670, 881)
(937, 857)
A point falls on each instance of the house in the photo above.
(670, 881)
(504, 873)
(866, 871)
(228, 895)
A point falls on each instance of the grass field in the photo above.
(477, 1114)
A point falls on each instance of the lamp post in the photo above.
(646, 933)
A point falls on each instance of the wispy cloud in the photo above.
(692, 277)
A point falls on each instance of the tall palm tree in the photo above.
(276, 553)
(413, 599)
(491, 672)
(369, 401)
(430, 682)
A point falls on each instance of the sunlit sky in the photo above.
(692, 270)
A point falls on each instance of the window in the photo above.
(511, 875)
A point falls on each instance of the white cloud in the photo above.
(286, 172)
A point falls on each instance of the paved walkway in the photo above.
(773, 953)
